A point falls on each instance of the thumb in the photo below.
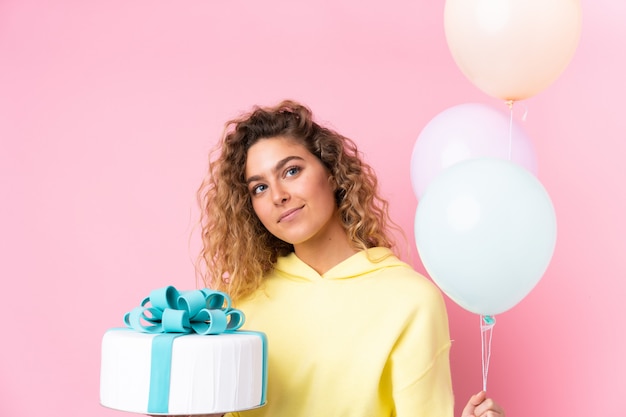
(474, 401)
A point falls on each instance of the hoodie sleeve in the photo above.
(420, 362)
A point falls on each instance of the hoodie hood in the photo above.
(360, 264)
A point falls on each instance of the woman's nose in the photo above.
(279, 195)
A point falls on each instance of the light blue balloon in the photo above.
(485, 230)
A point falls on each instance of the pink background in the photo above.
(107, 110)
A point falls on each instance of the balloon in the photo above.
(467, 131)
(512, 49)
(485, 231)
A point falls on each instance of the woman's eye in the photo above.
(292, 171)
(257, 189)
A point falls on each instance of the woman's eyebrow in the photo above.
(279, 165)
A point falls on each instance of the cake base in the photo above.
(208, 373)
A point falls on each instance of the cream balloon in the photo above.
(512, 49)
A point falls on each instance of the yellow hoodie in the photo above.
(364, 339)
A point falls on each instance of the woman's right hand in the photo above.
(481, 406)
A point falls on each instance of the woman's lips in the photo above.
(288, 215)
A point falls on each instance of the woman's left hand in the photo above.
(481, 406)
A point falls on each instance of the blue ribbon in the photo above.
(202, 311)
(175, 314)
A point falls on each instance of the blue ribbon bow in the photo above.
(175, 314)
(202, 311)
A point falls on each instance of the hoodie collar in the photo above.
(361, 263)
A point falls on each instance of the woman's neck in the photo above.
(327, 250)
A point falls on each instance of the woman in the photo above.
(294, 230)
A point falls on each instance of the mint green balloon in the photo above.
(485, 230)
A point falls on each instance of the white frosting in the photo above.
(209, 374)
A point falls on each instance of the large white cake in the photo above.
(173, 373)
(209, 374)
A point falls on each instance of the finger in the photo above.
(474, 401)
(491, 413)
(478, 398)
(488, 408)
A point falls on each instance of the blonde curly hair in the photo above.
(237, 249)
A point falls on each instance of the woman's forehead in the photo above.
(266, 153)
(275, 146)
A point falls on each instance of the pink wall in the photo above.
(107, 110)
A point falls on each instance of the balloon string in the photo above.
(525, 112)
(510, 129)
(486, 331)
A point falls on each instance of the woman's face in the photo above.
(291, 191)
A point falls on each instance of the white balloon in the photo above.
(468, 131)
(485, 231)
